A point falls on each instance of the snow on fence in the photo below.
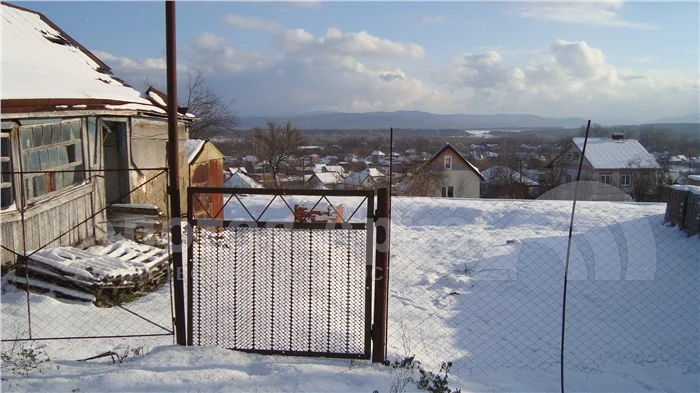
(480, 283)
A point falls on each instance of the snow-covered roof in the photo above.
(240, 179)
(497, 174)
(241, 169)
(43, 69)
(608, 153)
(193, 147)
(329, 177)
(373, 172)
(377, 153)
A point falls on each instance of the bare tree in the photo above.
(275, 144)
(423, 179)
(643, 180)
(214, 114)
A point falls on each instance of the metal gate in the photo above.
(282, 272)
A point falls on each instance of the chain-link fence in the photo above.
(480, 282)
(282, 272)
(85, 254)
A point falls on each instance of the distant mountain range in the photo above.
(425, 120)
(695, 118)
(410, 120)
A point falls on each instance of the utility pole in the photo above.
(174, 172)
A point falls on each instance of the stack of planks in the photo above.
(135, 221)
(107, 275)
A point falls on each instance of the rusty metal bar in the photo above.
(381, 277)
(210, 222)
(174, 165)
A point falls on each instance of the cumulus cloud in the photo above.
(341, 72)
(251, 23)
(570, 79)
(353, 44)
(596, 13)
(432, 19)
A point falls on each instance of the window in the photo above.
(448, 162)
(6, 189)
(51, 147)
(577, 156)
(605, 178)
(448, 192)
(625, 180)
(568, 178)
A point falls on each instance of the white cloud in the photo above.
(354, 72)
(251, 23)
(572, 79)
(596, 13)
(307, 3)
(432, 19)
(130, 64)
(352, 44)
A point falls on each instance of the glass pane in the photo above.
(53, 158)
(44, 156)
(28, 188)
(78, 152)
(58, 180)
(71, 153)
(62, 155)
(5, 147)
(56, 133)
(36, 136)
(27, 138)
(46, 135)
(5, 196)
(75, 127)
(39, 185)
(4, 168)
(65, 132)
(34, 163)
(78, 176)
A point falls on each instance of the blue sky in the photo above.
(442, 60)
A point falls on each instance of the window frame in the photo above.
(627, 176)
(448, 162)
(6, 133)
(53, 173)
(448, 192)
(607, 176)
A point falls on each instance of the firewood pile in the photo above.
(107, 275)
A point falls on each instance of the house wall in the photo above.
(57, 219)
(466, 183)
(148, 148)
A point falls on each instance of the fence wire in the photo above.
(479, 283)
(87, 260)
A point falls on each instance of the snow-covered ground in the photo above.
(475, 282)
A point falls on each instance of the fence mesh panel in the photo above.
(480, 283)
(96, 261)
(287, 289)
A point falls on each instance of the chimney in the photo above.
(618, 136)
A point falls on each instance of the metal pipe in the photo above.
(381, 276)
(174, 165)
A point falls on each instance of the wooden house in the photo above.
(74, 138)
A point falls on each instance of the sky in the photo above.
(606, 60)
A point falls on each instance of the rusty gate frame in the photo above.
(372, 299)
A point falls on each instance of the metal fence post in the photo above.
(381, 277)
